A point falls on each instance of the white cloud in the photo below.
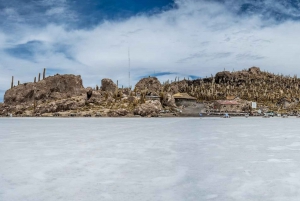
(197, 38)
(55, 11)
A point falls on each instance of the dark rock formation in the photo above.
(151, 84)
(51, 88)
(89, 92)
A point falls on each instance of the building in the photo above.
(227, 106)
(184, 99)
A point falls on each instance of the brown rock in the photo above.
(178, 87)
(151, 84)
(54, 87)
(73, 103)
(254, 70)
(223, 76)
(168, 100)
(108, 85)
(117, 113)
(96, 97)
(150, 108)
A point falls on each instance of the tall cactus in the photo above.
(12, 82)
(44, 73)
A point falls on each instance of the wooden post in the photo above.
(39, 77)
(44, 73)
(18, 82)
(12, 82)
(34, 79)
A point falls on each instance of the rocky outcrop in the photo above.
(254, 70)
(95, 96)
(108, 85)
(118, 113)
(51, 88)
(61, 105)
(238, 76)
(150, 84)
(168, 100)
(149, 108)
(224, 75)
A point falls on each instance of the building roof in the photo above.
(227, 102)
(183, 96)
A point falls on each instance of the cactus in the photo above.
(12, 82)
(44, 73)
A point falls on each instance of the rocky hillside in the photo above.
(276, 91)
(65, 93)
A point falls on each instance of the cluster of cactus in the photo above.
(34, 80)
(263, 88)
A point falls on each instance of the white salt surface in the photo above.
(172, 159)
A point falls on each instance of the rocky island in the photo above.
(64, 95)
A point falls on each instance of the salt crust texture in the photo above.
(174, 159)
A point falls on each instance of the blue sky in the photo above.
(168, 39)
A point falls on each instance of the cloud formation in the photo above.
(195, 38)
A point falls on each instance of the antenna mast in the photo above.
(129, 68)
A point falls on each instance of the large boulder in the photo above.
(168, 100)
(108, 85)
(151, 84)
(149, 108)
(51, 88)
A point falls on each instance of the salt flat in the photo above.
(153, 159)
